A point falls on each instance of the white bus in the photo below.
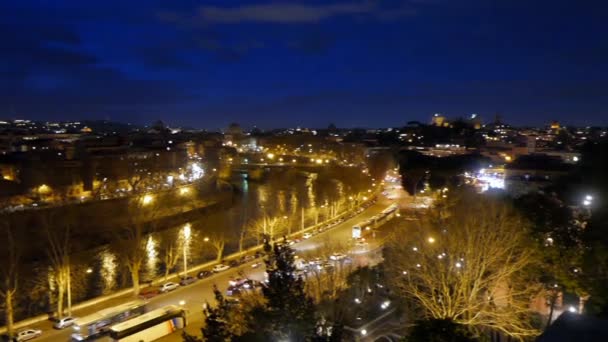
(150, 326)
(94, 325)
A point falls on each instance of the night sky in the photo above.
(286, 63)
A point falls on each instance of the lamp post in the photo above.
(187, 232)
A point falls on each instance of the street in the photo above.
(193, 297)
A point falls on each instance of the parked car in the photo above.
(248, 258)
(28, 334)
(186, 280)
(203, 274)
(170, 286)
(256, 264)
(64, 322)
(149, 293)
(220, 268)
(307, 235)
(337, 256)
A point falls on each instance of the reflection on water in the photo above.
(152, 258)
(108, 270)
(294, 199)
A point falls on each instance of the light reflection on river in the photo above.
(281, 195)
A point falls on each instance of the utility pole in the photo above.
(302, 217)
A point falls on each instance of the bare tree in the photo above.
(170, 249)
(10, 257)
(58, 252)
(470, 268)
(130, 242)
(217, 240)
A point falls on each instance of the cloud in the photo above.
(280, 12)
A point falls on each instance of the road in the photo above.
(193, 296)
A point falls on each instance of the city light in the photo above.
(270, 156)
(363, 332)
(572, 309)
(431, 239)
(458, 265)
(147, 199)
(184, 191)
(89, 270)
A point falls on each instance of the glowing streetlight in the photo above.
(147, 199)
(363, 332)
(458, 265)
(89, 270)
(270, 156)
(431, 239)
(206, 239)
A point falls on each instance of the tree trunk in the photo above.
(69, 289)
(241, 238)
(220, 252)
(8, 311)
(553, 300)
(60, 290)
(135, 279)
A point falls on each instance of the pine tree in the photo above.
(216, 320)
(289, 311)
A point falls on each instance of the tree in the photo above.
(217, 240)
(10, 260)
(130, 241)
(216, 327)
(289, 311)
(58, 252)
(470, 267)
(170, 250)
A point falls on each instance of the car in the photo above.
(170, 286)
(234, 263)
(337, 256)
(220, 267)
(316, 261)
(307, 235)
(203, 274)
(361, 243)
(256, 264)
(64, 322)
(187, 280)
(28, 334)
(149, 293)
(248, 258)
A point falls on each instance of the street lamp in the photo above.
(187, 231)
(147, 199)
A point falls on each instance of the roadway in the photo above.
(193, 296)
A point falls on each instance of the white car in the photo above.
(170, 286)
(220, 268)
(307, 235)
(28, 334)
(337, 256)
(64, 322)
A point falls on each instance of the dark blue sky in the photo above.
(285, 63)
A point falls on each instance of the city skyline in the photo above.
(283, 64)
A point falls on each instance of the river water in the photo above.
(287, 201)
